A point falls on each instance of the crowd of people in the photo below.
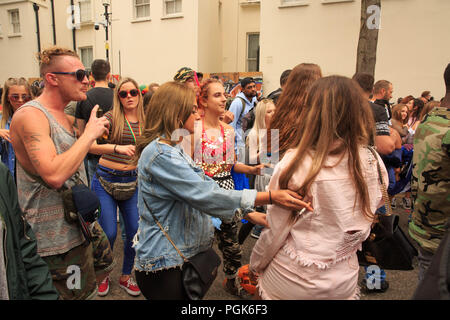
(181, 164)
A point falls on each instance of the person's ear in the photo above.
(51, 79)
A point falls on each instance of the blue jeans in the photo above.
(108, 214)
(91, 167)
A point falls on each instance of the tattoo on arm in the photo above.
(31, 142)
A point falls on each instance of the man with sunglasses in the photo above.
(101, 95)
(50, 160)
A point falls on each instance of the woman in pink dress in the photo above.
(312, 255)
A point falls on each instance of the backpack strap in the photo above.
(243, 108)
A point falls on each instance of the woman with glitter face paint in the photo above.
(217, 160)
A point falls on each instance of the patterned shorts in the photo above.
(227, 237)
(74, 272)
(224, 180)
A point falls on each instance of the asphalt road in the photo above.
(402, 284)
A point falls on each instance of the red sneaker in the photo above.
(103, 288)
(130, 287)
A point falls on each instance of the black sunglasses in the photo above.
(133, 92)
(79, 74)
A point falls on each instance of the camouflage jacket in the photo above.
(430, 183)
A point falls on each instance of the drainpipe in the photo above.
(73, 27)
(38, 32)
(53, 21)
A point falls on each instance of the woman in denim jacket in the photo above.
(16, 92)
(181, 196)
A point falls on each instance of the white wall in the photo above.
(153, 50)
(413, 45)
(316, 33)
(18, 53)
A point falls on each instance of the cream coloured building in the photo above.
(150, 39)
(147, 40)
(413, 43)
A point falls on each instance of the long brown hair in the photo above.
(118, 113)
(8, 111)
(428, 107)
(397, 113)
(290, 104)
(337, 121)
(169, 108)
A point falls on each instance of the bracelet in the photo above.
(270, 197)
(115, 148)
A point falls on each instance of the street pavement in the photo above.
(402, 284)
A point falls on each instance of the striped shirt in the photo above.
(127, 139)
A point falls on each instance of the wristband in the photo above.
(270, 197)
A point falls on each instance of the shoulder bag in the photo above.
(387, 245)
(198, 272)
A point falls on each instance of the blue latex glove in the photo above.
(216, 222)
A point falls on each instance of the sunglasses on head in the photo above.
(123, 94)
(79, 74)
(16, 97)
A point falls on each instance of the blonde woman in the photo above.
(126, 121)
(256, 144)
(16, 92)
(312, 255)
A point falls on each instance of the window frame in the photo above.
(12, 24)
(175, 14)
(294, 3)
(135, 11)
(80, 53)
(87, 19)
(247, 58)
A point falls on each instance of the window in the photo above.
(334, 1)
(172, 7)
(14, 20)
(252, 52)
(293, 3)
(141, 9)
(85, 11)
(87, 57)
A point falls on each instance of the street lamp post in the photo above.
(107, 14)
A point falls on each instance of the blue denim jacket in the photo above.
(183, 199)
(7, 152)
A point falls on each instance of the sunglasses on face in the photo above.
(17, 97)
(123, 94)
(79, 74)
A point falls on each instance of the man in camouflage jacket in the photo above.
(430, 183)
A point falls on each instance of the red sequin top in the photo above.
(218, 153)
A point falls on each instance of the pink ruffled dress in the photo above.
(315, 258)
